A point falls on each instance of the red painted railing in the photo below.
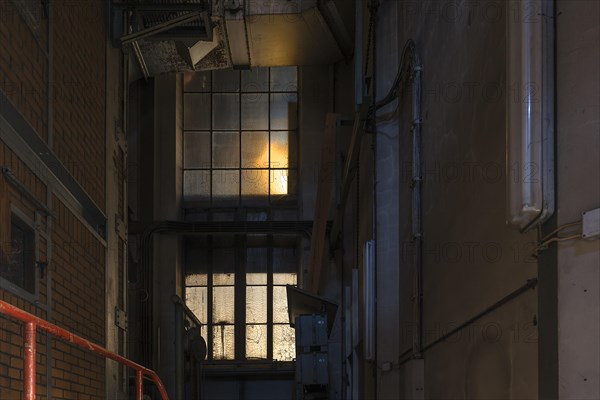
(32, 323)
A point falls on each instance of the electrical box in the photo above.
(591, 224)
(311, 333)
(311, 369)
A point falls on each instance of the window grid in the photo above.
(243, 323)
(272, 171)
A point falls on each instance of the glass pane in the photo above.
(223, 267)
(226, 111)
(255, 80)
(255, 182)
(196, 150)
(196, 262)
(196, 298)
(255, 111)
(223, 304)
(280, 306)
(226, 184)
(279, 181)
(284, 108)
(226, 150)
(256, 304)
(284, 79)
(196, 111)
(256, 341)
(196, 81)
(196, 280)
(284, 346)
(226, 80)
(285, 266)
(255, 150)
(223, 342)
(196, 185)
(256, 266)
(279, 150)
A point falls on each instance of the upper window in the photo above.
(18, 266)
(240, 135)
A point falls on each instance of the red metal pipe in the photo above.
(15, 312)
(139, 385)
(29, 371)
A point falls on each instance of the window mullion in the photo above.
(270, 298)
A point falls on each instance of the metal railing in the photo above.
(33, 323)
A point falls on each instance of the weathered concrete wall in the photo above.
(578, 170)
(471, 259)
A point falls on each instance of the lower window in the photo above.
(236, 286)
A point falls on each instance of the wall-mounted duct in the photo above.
(530, 121)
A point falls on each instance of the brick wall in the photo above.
(79, 84)
(24, 62)
(75, 278)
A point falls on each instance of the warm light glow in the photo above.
(279, 159)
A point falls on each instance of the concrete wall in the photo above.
(578, 170)
(471, 258)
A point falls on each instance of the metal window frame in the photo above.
(11, 287)
(240, 324)
(241, 199)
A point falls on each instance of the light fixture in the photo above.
(530, 121)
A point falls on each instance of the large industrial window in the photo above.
(240, 135)
(18, 266)
(236, 286)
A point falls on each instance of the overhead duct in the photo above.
(199, 35)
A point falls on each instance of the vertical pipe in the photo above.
(30, 361)
(139, 385)
(179, 362)
(417, 182)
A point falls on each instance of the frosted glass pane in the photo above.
(280, 306)
(284, 346)
(196, 81)
(256, 341)
(226, 184)
(196, 111)
(255, 111)
(255, 182)
(255, 149)
(226, 150)
(196, 185)
(279, 150)
(255, 80)
(284, 111)
(285, 266)
(226, 80)
(223, 304)
(226, 112)
(256, 305)
(196, 150)
(223, 342)
(256, 266)
(196, 298)
(223, 267)
(279, 181)
(284, 79)
(196, 280)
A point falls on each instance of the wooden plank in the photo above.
(318, 244)
(358, 131)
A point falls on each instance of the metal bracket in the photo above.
(121, 319)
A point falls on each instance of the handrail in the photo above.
(32, 323)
